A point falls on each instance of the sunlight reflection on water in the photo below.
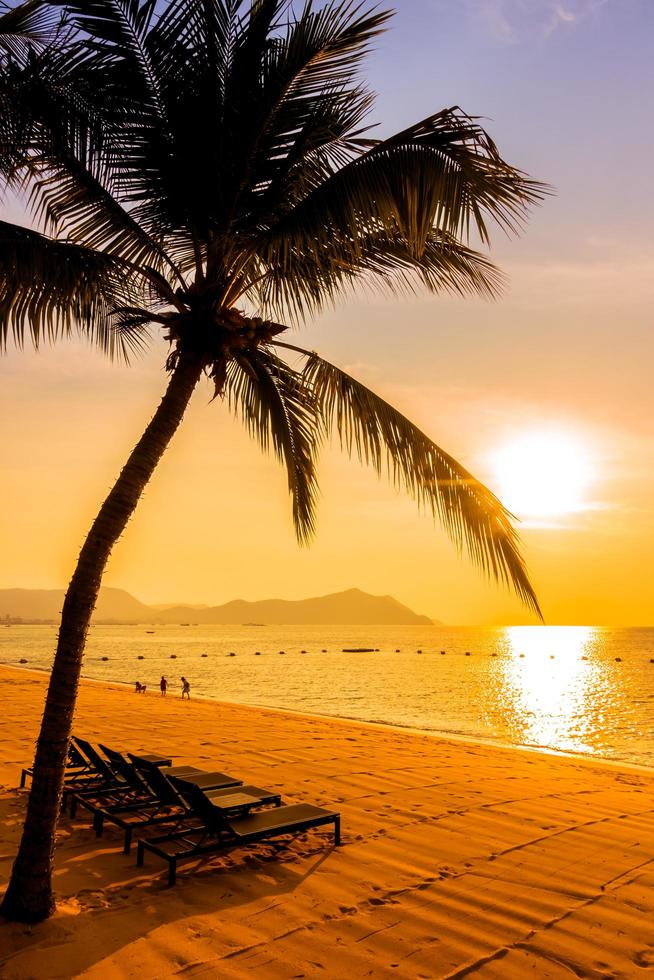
(554, 685)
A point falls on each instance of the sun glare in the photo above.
(543, 474)
(551, 696)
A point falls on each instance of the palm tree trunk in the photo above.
(29, 897)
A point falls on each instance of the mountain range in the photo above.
(349, 608)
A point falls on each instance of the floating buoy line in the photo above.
(282, 653)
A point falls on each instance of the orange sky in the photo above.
(215, 523)
(568, 348)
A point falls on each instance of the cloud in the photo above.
(513, 21)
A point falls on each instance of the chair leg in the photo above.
(23, 777)
(140, 854)
(98, 824)
(73, 807)
(172, 872)
(337, 831)
(127, 845)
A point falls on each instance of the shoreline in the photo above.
(457, 858)
(438, 734)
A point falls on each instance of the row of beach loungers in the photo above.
(198, 812)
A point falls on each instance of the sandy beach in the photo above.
(457, 860)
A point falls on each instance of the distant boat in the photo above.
(253, 624)
(149, 631)
(184, 624)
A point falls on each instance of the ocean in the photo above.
(578, 689)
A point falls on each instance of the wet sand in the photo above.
(458, 859)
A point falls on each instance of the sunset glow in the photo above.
(543, 474)
(545, 395)
(327, 488)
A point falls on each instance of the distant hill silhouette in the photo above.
(350, 608)
(113, 605)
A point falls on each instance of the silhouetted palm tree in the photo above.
(203, 170)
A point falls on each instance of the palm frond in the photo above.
(69, 199)
(26, 26)
(280, 412)
(305, 96)
(51, 289)
(120, 29)
(482, 184)
(65, 133)
(295, 283)
(380, 436)
(131, 326)
(443, 174)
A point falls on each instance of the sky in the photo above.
(545, 394)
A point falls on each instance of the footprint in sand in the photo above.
(644, 958)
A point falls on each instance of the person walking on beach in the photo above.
(186, 689)
(163, 684)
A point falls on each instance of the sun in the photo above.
(543, 474)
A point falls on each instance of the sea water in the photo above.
(578, 689)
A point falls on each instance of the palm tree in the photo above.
(204, 170)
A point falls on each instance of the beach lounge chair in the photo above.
(163, 782)
(129, 772)
(130, 789)
(132, 817)
(196, 798)
(133, 791)
(97, 774)
(222, 831)
(166, 806)
(100, 774)
(77, 767)
(108, 775)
